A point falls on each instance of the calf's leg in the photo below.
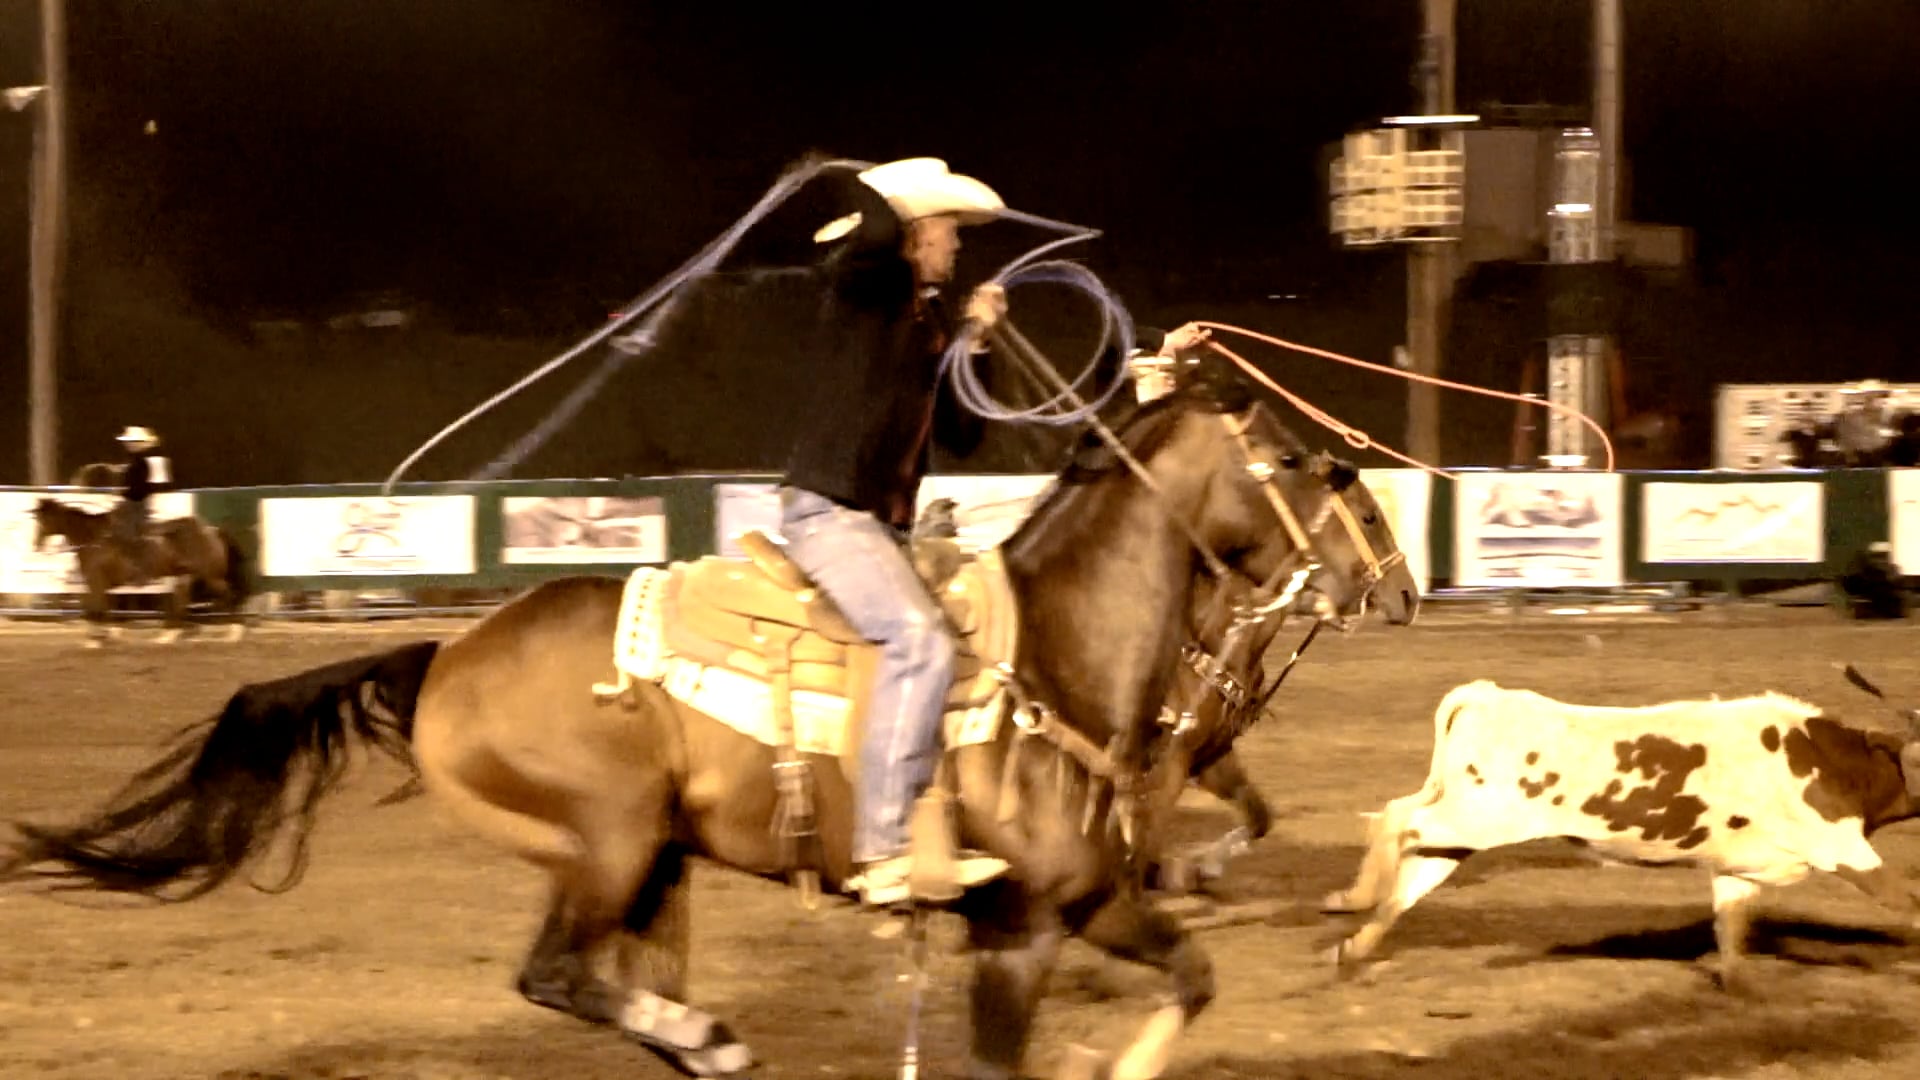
(1733, 899)
(1418, 874)
(1386, 838)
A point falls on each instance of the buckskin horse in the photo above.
(201, 559)
(511, 729)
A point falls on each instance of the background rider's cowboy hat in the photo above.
(922, 187)
(138, 438)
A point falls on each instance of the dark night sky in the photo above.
(477, 153)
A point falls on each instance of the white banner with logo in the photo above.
(583, 529)
(1406, 498)
(1743, 523)
(367, 535)
(54, 569)
(740, 507)
(987, 509)
(1903, 518)
(1537, 530)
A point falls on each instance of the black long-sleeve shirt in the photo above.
(875, 403)
(137, 484)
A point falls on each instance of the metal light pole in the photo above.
(1606, 120)
(1583, 234)
(47, 244)
(1431, 267)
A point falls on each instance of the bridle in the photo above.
(1275, 597)
(1263, 603)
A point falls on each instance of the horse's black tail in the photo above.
(216, 801)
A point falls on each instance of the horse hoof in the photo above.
(167, 637)
(93, 643)
(1178, 875)
(1083, 1063)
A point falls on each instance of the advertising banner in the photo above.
(987, 509)
(54, 569)
(1903, 518)
(1538, 530)
(367, 534)
(1743, 523)
(583, 529)
(741, 507)
(1405, 497)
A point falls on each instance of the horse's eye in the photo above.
(1369, 518)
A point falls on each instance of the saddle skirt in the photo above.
(753, 644)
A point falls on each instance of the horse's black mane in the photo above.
(1144, 427)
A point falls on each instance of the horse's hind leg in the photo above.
(236, 613)
(627, 877)
(549, 973)
(658, 929)
(652, 961)
(176, 622)
(651, 945)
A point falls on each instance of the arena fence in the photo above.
(1513, 532)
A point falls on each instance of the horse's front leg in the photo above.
(1016, 947)
(1131, 928)
(1227, 781)
(176, 620)
(1193, 868)
(94, 608)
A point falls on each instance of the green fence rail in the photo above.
(348, 537)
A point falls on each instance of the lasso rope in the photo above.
(1065, 408)
(1354, 436)
(657, 303)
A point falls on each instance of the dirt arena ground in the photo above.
(393, 958)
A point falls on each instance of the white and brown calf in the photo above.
(1759, 790)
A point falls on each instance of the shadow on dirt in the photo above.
(1789, 939)
(1660, 1037)
(536, 1048)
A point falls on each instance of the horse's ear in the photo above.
(1216, 381)
(1338, 474)
(1344, 475)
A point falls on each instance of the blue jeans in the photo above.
(862, 566)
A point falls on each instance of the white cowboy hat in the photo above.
(138, 437)
(922, 187)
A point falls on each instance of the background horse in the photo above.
(98, 474)
(1222, 687)
(202, 559)
(611, 797)
(1220, 690)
